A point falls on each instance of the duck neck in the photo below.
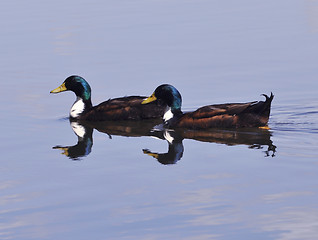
(79, 107)
(171, 116)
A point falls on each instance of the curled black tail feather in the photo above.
(268, 99)
(261, 108)
(266, 108)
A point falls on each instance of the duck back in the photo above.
(124, 108)
(230, 115)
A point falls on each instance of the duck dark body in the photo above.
(237, 115)
(229, 115)
(124, 108)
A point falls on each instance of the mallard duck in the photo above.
(229, 115)
(124, 108)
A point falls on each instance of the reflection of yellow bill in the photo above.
(150, 99)
(64, 149)
(155, 155)
(61, 88)
(265, 128)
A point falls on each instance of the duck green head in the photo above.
(167, 94)
(76, 84)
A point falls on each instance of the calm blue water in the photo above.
(247, 184)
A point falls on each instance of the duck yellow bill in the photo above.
(61, 88)
(150, 99)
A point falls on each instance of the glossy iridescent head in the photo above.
(82, 90)
(76, 84)
(167, 94)
(170, 96)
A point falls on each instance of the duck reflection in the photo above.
(84, 132)
(254, 138)
(84, 142)
(175, 147)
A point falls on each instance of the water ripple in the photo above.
(295, 118)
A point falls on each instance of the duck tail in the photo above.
(268, 99)
(266, 106)
(262, 108)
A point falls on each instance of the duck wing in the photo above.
(125, 108)
(229, 115)
(221, 109)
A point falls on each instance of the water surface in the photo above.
(122, 182)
